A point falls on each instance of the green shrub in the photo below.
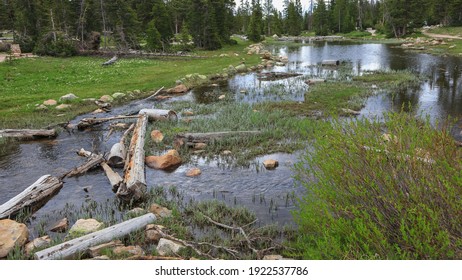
(387, 190)
(56, 44)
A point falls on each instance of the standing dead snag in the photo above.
(34, 197)
(134, 184)
(118, 152)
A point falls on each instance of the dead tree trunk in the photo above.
(134, 184)
(191, 138)
(93, 160)
(80, 245)
(34, 197)
(85, 123)
(118, 152)
(28, 134)
(114, 177)
(159, 114)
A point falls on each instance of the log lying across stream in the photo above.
(191, 138)
(28, 134)
(88, 122)
(32, 198)
(118, 152)
(134, 184)
(79, 245)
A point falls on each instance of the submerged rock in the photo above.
(12, 234)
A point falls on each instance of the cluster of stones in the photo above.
(422, 43)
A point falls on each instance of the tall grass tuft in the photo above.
(375, 190)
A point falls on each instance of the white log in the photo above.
(159, 114)
(32, 197)
(211, 136)
(118, 152)
(88, 122)
(134, 184)
(80, 245)
(315, 81)
(114, 177)
(28, 134)
(330, 62)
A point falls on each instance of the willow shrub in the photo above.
(376, 196)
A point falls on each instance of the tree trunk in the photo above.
(93, 160)
(85, 123)
(118, 152)
(134, 184)
(114, 177)
(34, 197)
(159, 114)
(191, 138)
(28, 134)
(79, 245)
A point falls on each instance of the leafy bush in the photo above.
(56, 44)
(381, 196)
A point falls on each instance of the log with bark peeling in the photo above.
(88, 122)
(80, 245)
(191, 138)
(28, 134)
(134, 184)
(118, 151)
(32, 198)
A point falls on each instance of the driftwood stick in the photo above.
(155, 94)
(93, 160)
(134, 184)
(33, 197)
(28, 134)
(87, 122)
(80, 245)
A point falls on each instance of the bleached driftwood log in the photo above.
(191, 138)
(134, 184)
(330, 62)
(118, 151)
(32, 198)
(88, 122)
(79, 245)
(314, 81)
(110, 61)
(159, 114)
(28, 134)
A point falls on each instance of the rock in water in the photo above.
(193, 172)
(12, 234)
(171, 158)
(60, 226)
(271, 164)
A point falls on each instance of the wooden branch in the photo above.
(33, 197)
(114, 177)
(93, 160)
(134, 184)
(155, 94)
(87, 122)
(79, 245)
(159, 114)
(28, 134)
(211, 136)
(118, 152)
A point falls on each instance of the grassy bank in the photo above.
(27, 82)
(382, 191)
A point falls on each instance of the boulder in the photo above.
(60, 226)
(200, 146)
(194, 172)
(178, 89)
(128, 250)
(159, 211)
(241, 68)
(118, 95)
(167, 247)
(231, 70)
(12, 234)
(270, 163)
(89, 100)
(152, 235)
(224, 55)
(63, 107)
(137, 91)
(37, 243)
(106, 98)
(68, 97)
(266, 55)
(157, 136)
(85, 226)
(41, 107)
(171, 158)
(136, 212)
(50, 102)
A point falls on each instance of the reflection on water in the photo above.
(268, 193)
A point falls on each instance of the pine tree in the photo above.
(256, 23)
(321, 19)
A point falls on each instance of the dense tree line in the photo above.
(57, 26)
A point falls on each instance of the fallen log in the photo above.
(93, 160)
(155, 94)
(33, 197)
(315, 81)
(88, 122)
(118, 152)
(192, 138)
(80, 245)
(28, 134)
(114, 177)
(330, 62)
(134, 184)
(159, 114)
(110, 61)
(273, 76)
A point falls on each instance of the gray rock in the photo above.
(12, 234)
(118, 95)
(85, 226)
(241, 68)
(68, 97)
(63, 107)
(167, 247)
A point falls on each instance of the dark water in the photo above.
(270, 194)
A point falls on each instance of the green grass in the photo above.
(27, 82)
(447, 30)
(376, 197)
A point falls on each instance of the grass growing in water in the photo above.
(375, 196)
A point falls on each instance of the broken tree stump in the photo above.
(134, 184)
(159, 114)
(28, 134)
(33, 197)
(79, 245)
(118, 151)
